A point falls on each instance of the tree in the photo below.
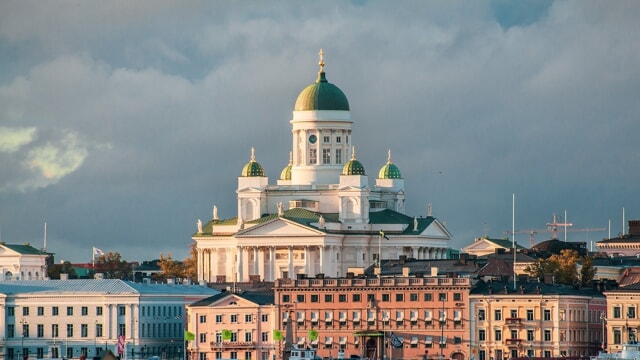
(187, 269)
(587, 271)
(562, 267)
(170, 267)
(112, 266)
(190, 264)
(65, 268)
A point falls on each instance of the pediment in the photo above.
(482, 245)
(232, 300)
(436, 230)
(279, 227)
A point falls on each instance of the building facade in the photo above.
(322, 216)
(233, 326)
(70, 318)
(622, 321)
(532, 319)
(405, 317)
(22, 262)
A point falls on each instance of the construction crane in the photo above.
(552, 227)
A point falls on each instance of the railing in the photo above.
(373, 282)
(233, 345)
(513, 321)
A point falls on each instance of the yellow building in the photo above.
(622, 323)
(531, 319)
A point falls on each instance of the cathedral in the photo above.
(322, 217)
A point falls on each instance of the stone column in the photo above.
(306, 260)
(272, 263)
(291, 275)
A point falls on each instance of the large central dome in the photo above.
(321, 95)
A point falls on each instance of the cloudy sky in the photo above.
(122, 123)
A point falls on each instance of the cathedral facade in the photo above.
(322, 216)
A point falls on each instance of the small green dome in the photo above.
(252, 168)
(321, 95)
(353, 166)
(389, 170)
(286, 173)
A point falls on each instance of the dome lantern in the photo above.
(321, 95)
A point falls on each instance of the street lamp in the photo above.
(443, 320)
(25, 354)
(95, 338)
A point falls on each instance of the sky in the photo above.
(123, 122)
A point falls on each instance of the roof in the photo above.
(623, 239)
(252, 168)
(555, 246)
(100, 286)
(526, 288)
(353, 167)
(321, 95)
(25, 249)
(257, 297)
(505, 243)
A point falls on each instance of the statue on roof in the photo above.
(415, 223)
(321, 222)
(280, 209)
(199, 226)
(215, 212)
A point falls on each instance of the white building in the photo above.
(322, 216)
(70, 318)
(22, 262)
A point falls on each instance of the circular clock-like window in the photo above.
(313, 139)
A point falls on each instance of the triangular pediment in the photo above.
(249, 190)
(232, 300)
(279, 227)
(436, 230)
(482, 246)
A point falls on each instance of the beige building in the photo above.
(534, 320)
(622, 322)
(22, 262)
(233, 326)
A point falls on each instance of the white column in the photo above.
(291, 275)
(272, 263)
(213, 265)
(306, 260)
(200, 265)
(322, 257)
(240, 263)
(255, 261)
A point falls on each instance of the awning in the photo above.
(368, 333)
(428, 340)
(414, 340)
(343, 340)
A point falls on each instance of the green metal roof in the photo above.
(252, 168)
(389, 171)
(24, 249)
(353, 167)
(321, 95)
(286, 173)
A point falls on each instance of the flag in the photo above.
(97, 252)
(383, 235)
(226, 334)
(277, 335)
(396, 342)
(313, 335)
(189, 336)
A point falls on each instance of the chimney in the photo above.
(634, 227)
(98, 276)
(64, 276)
(405, 271)
(402, 259)
(434, 271)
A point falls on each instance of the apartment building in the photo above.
(70, 318)
(622, 321)
(532, 319)
(233, 326)
(409, 317)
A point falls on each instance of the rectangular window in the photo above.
(631, 312)
(69, 310)
(122, 311)
(481, 315)
(547, 315)
(482, 335)
(264, 317)
(547, 335)
(11, 330)
(356, 298)
(338, 156)
(69, 330)
(122, 330)
(338, 139)
(482, 355)
(386, 297)
(248, 318)
(39, 353)
(248, 337)
(40, 310)
(99, 310)
(514, 334)
(342, 298)
(529, 314)
(328, 298)
(617, 336)
(286, 298)
(315, 298)
(54, 331)
(313, 156)
(300, 298)
(530, 335)
(442, 297)
(25, 330)
(498, 335)
(413, 297)
(218, 319)
(40, 330)
(513, 313)
(428, 297)
(265, 336)
(25, 311)
(616, 312)
(326, 139)
(84, 330)
(497, 315)
(54, 311)
(457, 296)
(203, 337)
(203, 319)
(203, 356)
(234, 318)
(326, 156)
(85, 311)
(399, 297)
(98, 330)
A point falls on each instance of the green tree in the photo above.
(562, 267)
(65, 268)
(587, 271)
(112, 266)
(187, 269)
(190, 264)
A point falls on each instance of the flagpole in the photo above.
(380, 251)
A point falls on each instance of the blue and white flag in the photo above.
(396, 342)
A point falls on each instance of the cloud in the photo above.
(12, 139)
(56, 160)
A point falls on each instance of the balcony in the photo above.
(232, 345)
(513, 321)
(513, 342)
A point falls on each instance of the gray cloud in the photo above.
(123, 123)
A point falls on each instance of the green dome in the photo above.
(353, 166)
(389, 170)
(286, 173)
(252, 168)
(321, 95)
